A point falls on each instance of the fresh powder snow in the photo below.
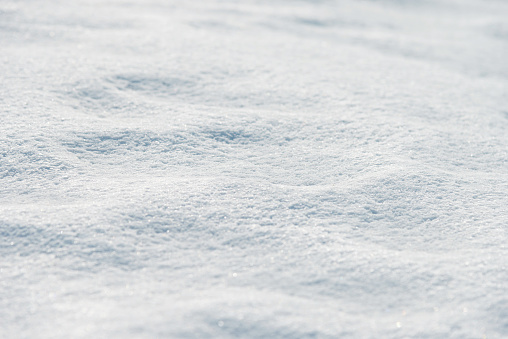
(254, 169)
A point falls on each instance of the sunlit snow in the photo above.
(254, 169)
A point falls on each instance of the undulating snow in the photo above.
(253, 169)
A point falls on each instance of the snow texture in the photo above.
(253, 169)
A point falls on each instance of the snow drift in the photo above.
(253, 169)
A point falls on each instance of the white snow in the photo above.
(253, 169)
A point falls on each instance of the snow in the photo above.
(253, 169)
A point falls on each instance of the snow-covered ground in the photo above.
(253, 169)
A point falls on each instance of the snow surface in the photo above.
(253, 169)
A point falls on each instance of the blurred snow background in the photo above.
(253, 169)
